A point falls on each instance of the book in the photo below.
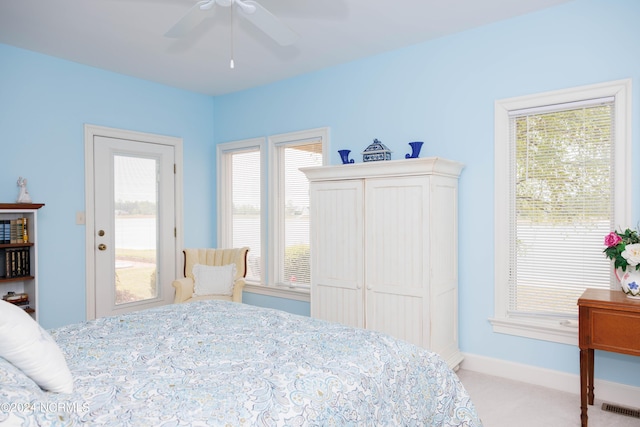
(5, 231)
(17, 262)
(18, 299)
(21, 304)
(17, 230)
(14, 230)
(25, 233)
(12, 256)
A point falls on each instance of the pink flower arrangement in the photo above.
(612, 239)
(623, 248)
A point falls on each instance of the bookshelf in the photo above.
(18, 255)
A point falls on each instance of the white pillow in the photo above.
(213, 279)
(31, 349)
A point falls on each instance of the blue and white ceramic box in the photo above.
(376, 151)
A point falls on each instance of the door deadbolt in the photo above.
(102, 246)
(101, 233)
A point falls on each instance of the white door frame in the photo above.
(90, 131)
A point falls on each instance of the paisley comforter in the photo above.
(217, 363)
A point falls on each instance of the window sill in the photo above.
(298, 294)
(560, 331)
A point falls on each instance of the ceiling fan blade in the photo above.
(268, 23)
(191, 19)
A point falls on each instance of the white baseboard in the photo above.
(606, 391)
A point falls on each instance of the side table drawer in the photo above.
(615, 331)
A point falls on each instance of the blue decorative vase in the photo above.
(415, 150)
(344, 155)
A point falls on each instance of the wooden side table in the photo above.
(607, 321)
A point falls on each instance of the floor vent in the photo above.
(616, 409)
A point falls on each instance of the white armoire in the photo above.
(384, 249)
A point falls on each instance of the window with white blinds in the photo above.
(241, 201)
(562, 204)
(289, 195)
(296, 268)
(562, 183)
(247, 208)
(263, 203)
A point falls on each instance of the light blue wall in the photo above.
(443, 93)
(44, 104)
(295, 307)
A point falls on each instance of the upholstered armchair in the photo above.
(213, 277)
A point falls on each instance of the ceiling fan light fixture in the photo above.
(207, 4)
(246, 8)
(250, 10)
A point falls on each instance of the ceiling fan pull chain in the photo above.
(231, 64)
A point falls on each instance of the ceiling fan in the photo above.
(250, 10)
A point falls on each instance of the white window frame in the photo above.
(225, 194)
(552, 330)
(277, 144)
(272, 191)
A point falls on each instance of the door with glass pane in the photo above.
(134, 225)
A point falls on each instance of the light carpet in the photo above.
(507, 403)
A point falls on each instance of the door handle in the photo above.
(102, 247)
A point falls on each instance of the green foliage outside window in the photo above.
(563, 161)
(296, 264)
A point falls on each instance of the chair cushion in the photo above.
(210, 256)
(213, 280)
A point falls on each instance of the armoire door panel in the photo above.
(395, 271)
(398, 315)
(395, 235)
(336, 304)
(337, 251)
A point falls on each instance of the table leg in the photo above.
(584, 385)
(590, 373)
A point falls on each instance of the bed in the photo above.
(219, 363)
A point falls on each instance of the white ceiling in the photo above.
(126, 36)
